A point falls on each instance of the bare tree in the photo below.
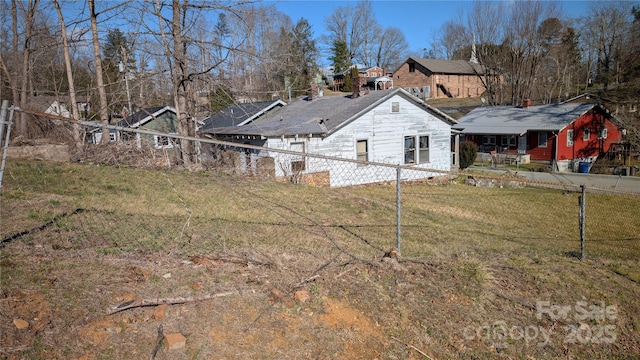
(368, 43)
(102, 94)
(524, 39)
(606, 31)
(182, 51)
(453, 37)
(484, 24)
(391, 48)
(22, 55)
(67, 62)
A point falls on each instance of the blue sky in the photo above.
(418, 19)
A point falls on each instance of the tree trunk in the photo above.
(67, 62)
(21, 94)
(102, 94)
(181, 84)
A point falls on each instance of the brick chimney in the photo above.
(357, 88)
(313, 92)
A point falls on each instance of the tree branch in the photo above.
(158, 301)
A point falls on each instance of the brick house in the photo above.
(374, 78)
(435, 78)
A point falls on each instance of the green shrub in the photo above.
(468, 153)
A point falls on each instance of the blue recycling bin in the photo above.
(583, 167)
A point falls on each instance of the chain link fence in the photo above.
(257, 206)
(398, 212)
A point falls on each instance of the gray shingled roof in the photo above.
(322, 115)
(236, 114)
(141, 115)
(458, 67)
(509, 120)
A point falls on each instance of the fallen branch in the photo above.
(412, 347)
(158, 343)
(233, 259)
(344, 272)
(159, 301)
(307, 280)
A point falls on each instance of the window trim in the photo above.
(408, 150)
(491, 140)
(160, 145)
(366, 150)
(542, 144)
(416, 150)
(570, 135)
(603, 134)
(298, 163)
(586, 134)
(422, 150)
(395, 106)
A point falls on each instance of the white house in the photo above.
(388, 126)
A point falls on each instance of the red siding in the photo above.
(581, 148)
(594, 121)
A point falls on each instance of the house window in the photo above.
(112, 137)
(569, 137)
(298, 162)
(412, 67)
(489, 140)
(542, 139)
(508, 140)
(410, 154)
(586, 135)
(395, 107)
(162, 142)
(423, 154)
(603, 134)
(409, 150)
(362, 150)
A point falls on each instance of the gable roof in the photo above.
(143, 116)
(509, 120)
(457, 67)
(239, 114)
(323, 115)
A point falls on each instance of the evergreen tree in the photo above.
(303, 57)
(340, 59)
(117, 48)
(349, 78)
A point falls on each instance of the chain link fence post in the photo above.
(398, 207)
(583, 209)
(5, 148)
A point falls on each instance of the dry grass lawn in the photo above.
(483, 273)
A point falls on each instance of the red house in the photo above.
(560, 134)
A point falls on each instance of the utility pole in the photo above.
(123, 70)
(123, 67)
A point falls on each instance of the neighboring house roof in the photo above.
(509, 120)
(143, 116)
(239, 114)
(323, 115)
(44, 102)
(457, 67)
